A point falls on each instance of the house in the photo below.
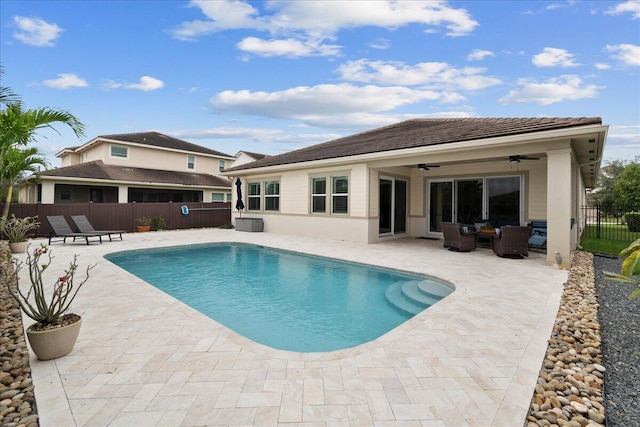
(242, 157)
(134, 167)
(406, 179)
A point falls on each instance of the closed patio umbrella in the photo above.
(239, 202)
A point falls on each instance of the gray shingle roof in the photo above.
(157, 139)
(420, 133)
(98, 170)
(256, 156)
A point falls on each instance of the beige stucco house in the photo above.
(134, 167)
(406, 179)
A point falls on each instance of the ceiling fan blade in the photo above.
(517, 158)
(426, 167)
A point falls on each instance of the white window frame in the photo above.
(334, 194)
(213, 196)
(251, 197)
(221, 165)
(117, 156)
(318, 195)
(268, 185)
(191, 164)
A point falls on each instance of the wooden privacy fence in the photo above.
(123, 216)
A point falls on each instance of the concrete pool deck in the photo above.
(145, 359)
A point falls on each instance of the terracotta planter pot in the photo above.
(18, 247)
(54, 343)
(143, 228)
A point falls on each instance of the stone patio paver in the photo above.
(145, 359)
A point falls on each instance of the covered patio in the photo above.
(144, 358)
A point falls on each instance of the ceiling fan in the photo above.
(426, 167)
(517, 158)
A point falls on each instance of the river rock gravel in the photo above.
(17, 400)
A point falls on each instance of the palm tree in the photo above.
(16, 163)
(6, 94)
(18, 128)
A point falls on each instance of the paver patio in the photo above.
(146, 359)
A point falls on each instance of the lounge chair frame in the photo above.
(84, 226)
(62, 230)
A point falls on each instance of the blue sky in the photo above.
(274, 76)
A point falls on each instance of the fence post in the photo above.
(598, 225)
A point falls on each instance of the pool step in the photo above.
(411, 291)
(413, 296)
(435, 289)
(396, 297)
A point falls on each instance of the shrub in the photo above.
(633, 221)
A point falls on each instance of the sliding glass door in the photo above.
(440, 204)
(469, 200)
(393, 206)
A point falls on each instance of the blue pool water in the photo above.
(282, 299)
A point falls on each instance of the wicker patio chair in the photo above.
(456, 240)
(513, 241)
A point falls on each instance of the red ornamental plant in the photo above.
(33, 298)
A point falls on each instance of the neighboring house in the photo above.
(134, 167)
(243, 157)
(408, 178)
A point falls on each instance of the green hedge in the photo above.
(633, 221)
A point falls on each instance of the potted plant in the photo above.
(144, 223)
(55, 332)
(487, 228)
(16, 231)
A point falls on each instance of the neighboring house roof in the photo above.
(419, 133)
(154, 139)
(254, 156)
(98, 170)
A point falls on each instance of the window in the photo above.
(221, 164)
(217, 197)
(319, 195)
(254, 196)
(119, 151)
(228, 197)
(191, 162)
(272, 195)
(340, 195)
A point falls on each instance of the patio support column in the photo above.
(48, 192)
(559, 205)
(123, 194)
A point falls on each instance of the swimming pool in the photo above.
(285, 300)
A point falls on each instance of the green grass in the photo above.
(603, 246)
(613, 238)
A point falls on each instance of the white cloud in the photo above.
(563, 88)
(259, 135)
(479, 55)
(431, 75)
(323, 105)
(35, 31)
(627, 53)
(66, 81)
(553, 57)
(631, 6)
(602, 66)
(381, 44)
(311, 22)
(287, 47)
(146, 84)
